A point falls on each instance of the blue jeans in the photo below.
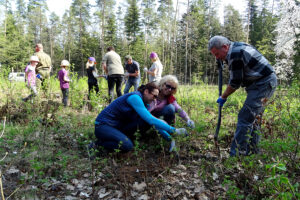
(132, 82)
(65, 92)
(112, 138)
(246, 137)
(168, 113)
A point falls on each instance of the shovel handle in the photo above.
(220, 66)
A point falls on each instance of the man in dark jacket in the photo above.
(249, 69)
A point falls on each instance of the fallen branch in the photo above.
(4, 120)
(1, 186)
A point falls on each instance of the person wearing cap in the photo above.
(112, 65)
(64, 81)
(250, 69)
(45, 64)
(30, 76)
(92, 75)
(132, 69)
(156, 68)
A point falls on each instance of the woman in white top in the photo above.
(156, 68)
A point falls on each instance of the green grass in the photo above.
(47, 141)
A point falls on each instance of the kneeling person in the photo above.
(121, 119)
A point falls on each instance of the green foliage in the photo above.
(278, 184)
(233, 27)
(132, 21)
(233, 192)
(262, 30)
(52, 142)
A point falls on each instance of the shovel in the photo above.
(220, 66)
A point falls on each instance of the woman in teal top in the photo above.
(125, 115)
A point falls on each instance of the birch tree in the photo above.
(287, 41)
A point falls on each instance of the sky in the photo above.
(59, 6)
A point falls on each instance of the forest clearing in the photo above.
(47, 156)
(50, 136)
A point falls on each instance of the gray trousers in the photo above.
(246, 136)
(65, 93)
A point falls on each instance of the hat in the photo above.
(34, 58)
(92, 59)
(153, 55)
(65, 63)
(128, 57)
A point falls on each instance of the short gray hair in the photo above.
(39, 45)
(128, 57)
(217, 42)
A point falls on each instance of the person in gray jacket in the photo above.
(250, 69)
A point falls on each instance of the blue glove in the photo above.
(221, 101)
(172, 146)
(191, 124)
(38, 76)
(181, 131)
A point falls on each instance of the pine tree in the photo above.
(81, 15)
(54, 32)
(15, 50)
(111, 31)
(37, 20)
(105, 10)
(149, 23)
(132, 21)
(165, 12)
(233, 28)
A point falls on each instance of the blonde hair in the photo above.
(168, 78)
(88, 65)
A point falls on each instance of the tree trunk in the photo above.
(41, 38)
(186, 44)
(248, 21)
(80, 38)
(102, 29)
(51, 43)
(208, 34)
(5, 20)
(173, 40)
(190, 64)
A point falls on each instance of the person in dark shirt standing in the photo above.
(92, 75)
(132, 69)
(250, 69)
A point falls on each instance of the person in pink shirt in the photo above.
(64, 81)
(30, 76)
(166, 105)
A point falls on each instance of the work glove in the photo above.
(181, 131)
(221, 101)
(104, 76)
(145, 69)
(190, 123)
(172, 146)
